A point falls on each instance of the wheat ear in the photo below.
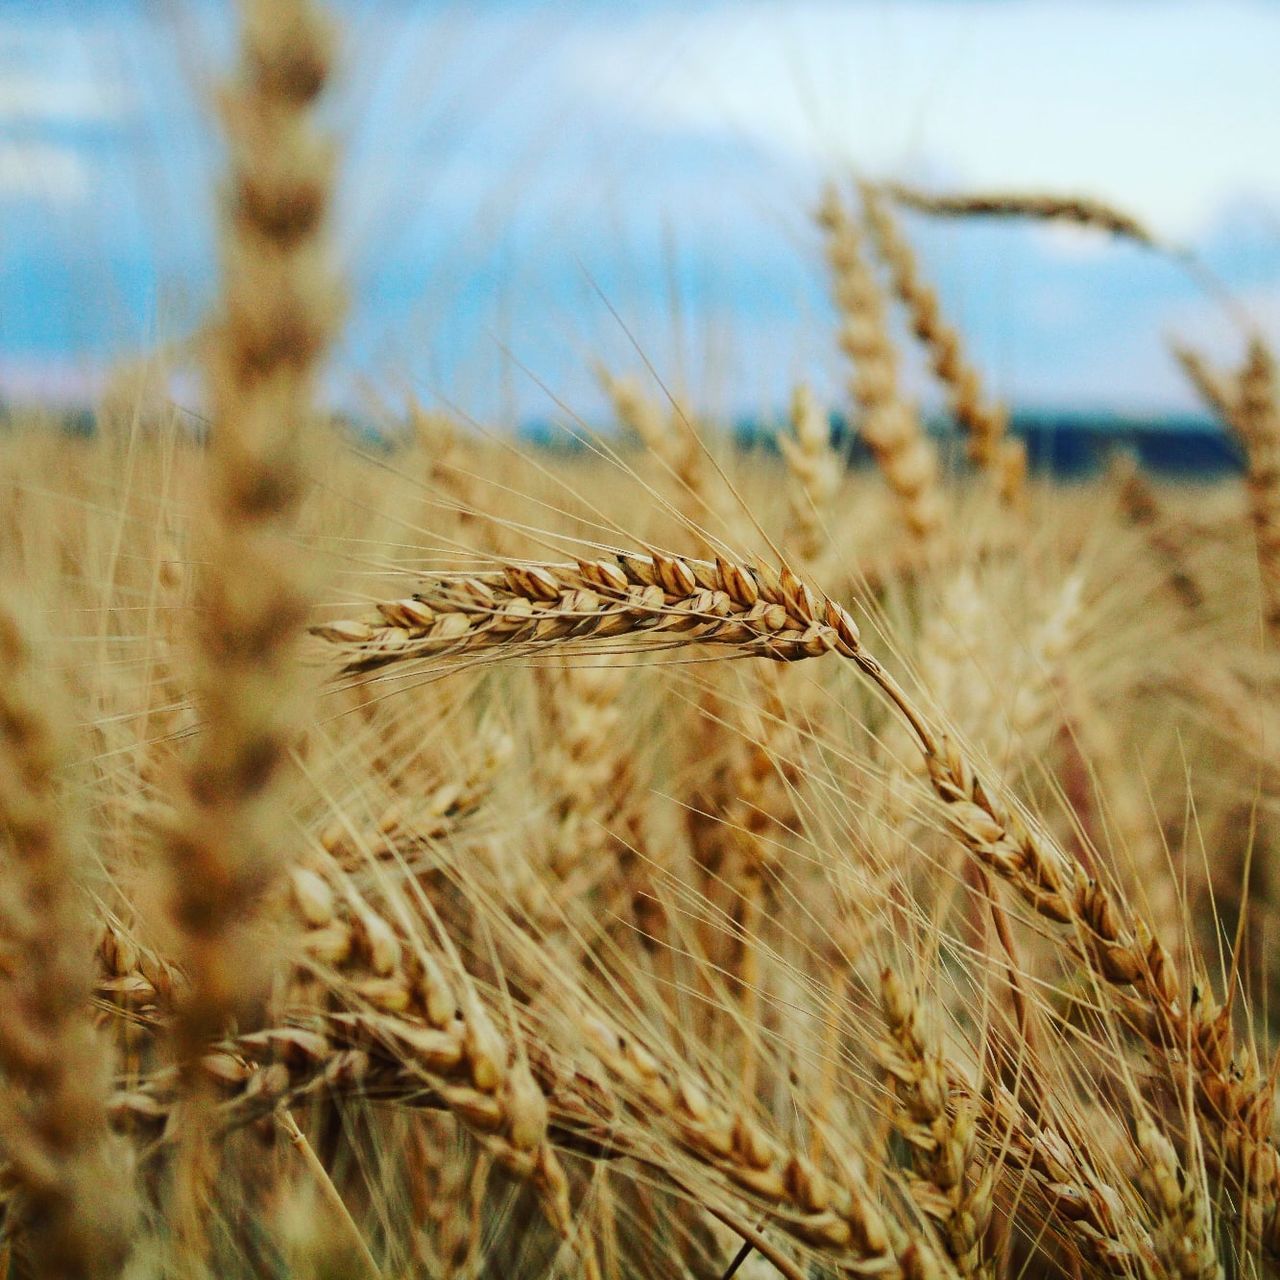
(1259, 417)
(449, 469)
(983, 422)
(758, 813)
(948, 1183)
(641, 1108)
(668, 434)
(1215, 389)
(1251, 410)
(1144, 510)
(582, 765)
(403, 1002)
(1118, 947)
(815, 468)
(74, 1183)
(277, 315)
(431, 811)
(445, 1187)
(891, 428)
(1232, 1093)
(1085, 1209)
(1185, 1240)
(404, 1032)
(960, 1142)
(755, 610)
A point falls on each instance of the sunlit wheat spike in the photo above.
(752, 609)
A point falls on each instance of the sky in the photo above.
(531, 189)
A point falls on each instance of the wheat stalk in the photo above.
(1120, 950)
(76, 1210)
(983, 422)
(1252, 412)
(277, 315)
(888, 424)
(948, 1184)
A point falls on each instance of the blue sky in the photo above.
(531, 187)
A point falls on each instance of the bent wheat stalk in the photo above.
(771, 613)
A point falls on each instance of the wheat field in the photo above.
(651, 858)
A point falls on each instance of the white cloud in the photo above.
(1163, 113)
(65, 69)
(1067, 241)
(1216, 329)
(60, 99)
(43, 171)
